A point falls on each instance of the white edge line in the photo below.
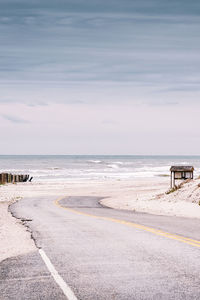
(59, 280)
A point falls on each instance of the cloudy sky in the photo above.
(99, 77)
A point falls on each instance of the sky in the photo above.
(100, 77)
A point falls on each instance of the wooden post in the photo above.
(171, 181)
(9, 178)
(6, 177)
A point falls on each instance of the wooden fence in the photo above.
(11, 178)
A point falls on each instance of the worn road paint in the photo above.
(155, 231)
(58, 279)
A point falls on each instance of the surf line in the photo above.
(155, 231)
(58, 279)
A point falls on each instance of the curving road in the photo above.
(100, 253)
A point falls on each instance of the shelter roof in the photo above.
(182, 169)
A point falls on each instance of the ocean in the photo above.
(93, 167)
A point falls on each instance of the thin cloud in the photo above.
(14, 119)
(141, 42)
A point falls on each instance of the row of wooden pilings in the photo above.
(11, 178)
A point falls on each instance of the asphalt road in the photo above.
(103, 253)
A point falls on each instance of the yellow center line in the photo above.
(155, 231)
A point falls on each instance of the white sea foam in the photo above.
(100, 167)
(119, 162)
(113, 166)
(95, 161)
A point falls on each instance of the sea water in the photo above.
(93, 167)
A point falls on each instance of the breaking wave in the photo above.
(74, 168)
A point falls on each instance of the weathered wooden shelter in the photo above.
(181, 173)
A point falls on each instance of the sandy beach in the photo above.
(143, 195)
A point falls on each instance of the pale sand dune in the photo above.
(182, 203)
(14, 239)
(144, 195)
